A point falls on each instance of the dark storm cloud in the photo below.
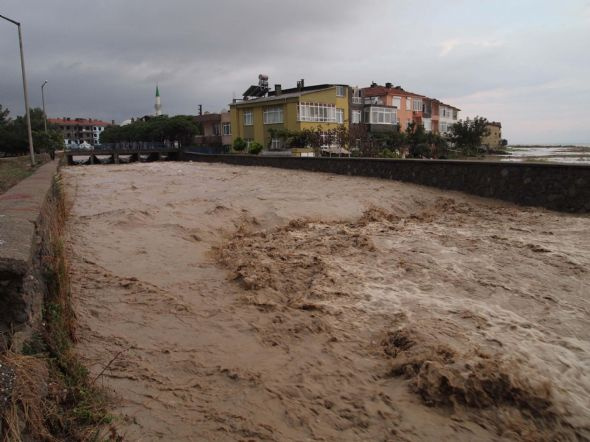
(104, 58)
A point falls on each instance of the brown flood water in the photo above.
(262, 304)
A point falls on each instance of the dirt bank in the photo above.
(263, 304)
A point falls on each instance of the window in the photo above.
(248, 118)
(276, 144)
(226, 128)
(340, 116)
(443, 127)
(316, 112)
(455, 113)
(216, 129)
(408, 103)
(356, 116)
(356, 96)
(381, 115)
(417, 105)
(396, 102)
(340, 91)
(273, 115)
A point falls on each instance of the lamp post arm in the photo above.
(27, 110)
(10, 20)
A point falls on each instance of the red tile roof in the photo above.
(77, 122)
(378, 91)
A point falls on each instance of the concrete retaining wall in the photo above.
(555, 186)
(21, 283)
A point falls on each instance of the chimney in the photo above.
(112, 122)
(388, 85)
(300, 84)
(373, 84)
(278, 89)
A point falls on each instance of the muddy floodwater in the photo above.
(259, 304)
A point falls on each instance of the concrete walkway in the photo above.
(20, 207)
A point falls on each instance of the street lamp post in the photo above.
(27, 110)
(43, 99)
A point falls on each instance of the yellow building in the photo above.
(493, 140)
(292, 109)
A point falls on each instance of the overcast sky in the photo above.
(524, 63)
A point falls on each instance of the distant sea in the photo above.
(551, 153)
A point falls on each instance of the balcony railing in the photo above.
(357, 100)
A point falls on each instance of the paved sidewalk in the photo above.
(20, 207)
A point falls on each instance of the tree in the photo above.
(181, 128)
(239, 144)
(4, 118)
(255, 148)
(466, 135)
(14, 136)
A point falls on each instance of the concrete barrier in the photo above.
(21, 283)
(563, 187)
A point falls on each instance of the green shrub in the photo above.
(255, 148)
(239, 144)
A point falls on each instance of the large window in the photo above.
(273, 115)
(380, 115)
(276, 144)
(248, 118)
(356, 96)
(340, 116)
(397, 102)
(226, 128)
(316, 112)
(341, 91)
(417, 105)
(356, 116)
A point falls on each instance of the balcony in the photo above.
(357, 100)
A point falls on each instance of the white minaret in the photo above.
(158, 105)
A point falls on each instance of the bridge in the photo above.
(133, 151)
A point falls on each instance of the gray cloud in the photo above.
(521, 63)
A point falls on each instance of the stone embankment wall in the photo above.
(21, 281)
(560, 187)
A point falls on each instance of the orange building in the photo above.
(431, 113)
(408, 104)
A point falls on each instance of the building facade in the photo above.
(80, 130)
(410, 107)
(296, 109)
(493, 140)
(448, 115)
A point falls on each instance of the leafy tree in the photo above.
(14, 135)
(181, 128)
(255, 148)
(240, 145)
(4, 118)
(466, 135)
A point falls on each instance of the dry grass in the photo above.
(24, 415)
(15, 169)
(54, 397)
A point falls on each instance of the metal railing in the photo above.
(128, 147)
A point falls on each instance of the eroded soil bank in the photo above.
(245, 303)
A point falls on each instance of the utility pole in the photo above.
(43, 99)
(27, 110)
